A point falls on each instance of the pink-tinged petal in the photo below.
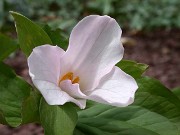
(116, 88)
(55, 96)
(94, 48)
(44, 69)
(44, 63)
(72, 89)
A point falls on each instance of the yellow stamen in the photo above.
(68, 76)
(76, 80)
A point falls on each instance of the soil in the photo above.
(159, 49)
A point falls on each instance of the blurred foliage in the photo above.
(58, 13)
(141, 14)
(134, 14)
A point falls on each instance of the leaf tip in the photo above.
(12, 12)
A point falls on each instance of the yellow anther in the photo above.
(68, 76)
(76, 80)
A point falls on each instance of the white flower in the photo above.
(87, 69)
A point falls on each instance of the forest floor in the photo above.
(159, 49)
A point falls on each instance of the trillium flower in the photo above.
(86, 71)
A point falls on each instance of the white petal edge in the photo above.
(116, 88)
(55, 96)
(94, 49)
(44, 63)
(72, 89)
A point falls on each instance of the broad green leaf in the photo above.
(156, 111)
(7, 46)
(103, 126)
(30, 108)
(13, 91)
(57, 120)
(30, 34)
(56, 37)
(132, 68)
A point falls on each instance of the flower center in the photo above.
(69, 76)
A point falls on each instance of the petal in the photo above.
(44, 69)
(55, 96)
(116, 88)
(44, 63)
(94, 48)
(72, 89)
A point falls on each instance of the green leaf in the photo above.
(30, 108)
(7, 46)
(57, 120)
(13, 92)
(56, 37)
(132, 68)
(156, 111)
(176, 91)
(30, 34)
